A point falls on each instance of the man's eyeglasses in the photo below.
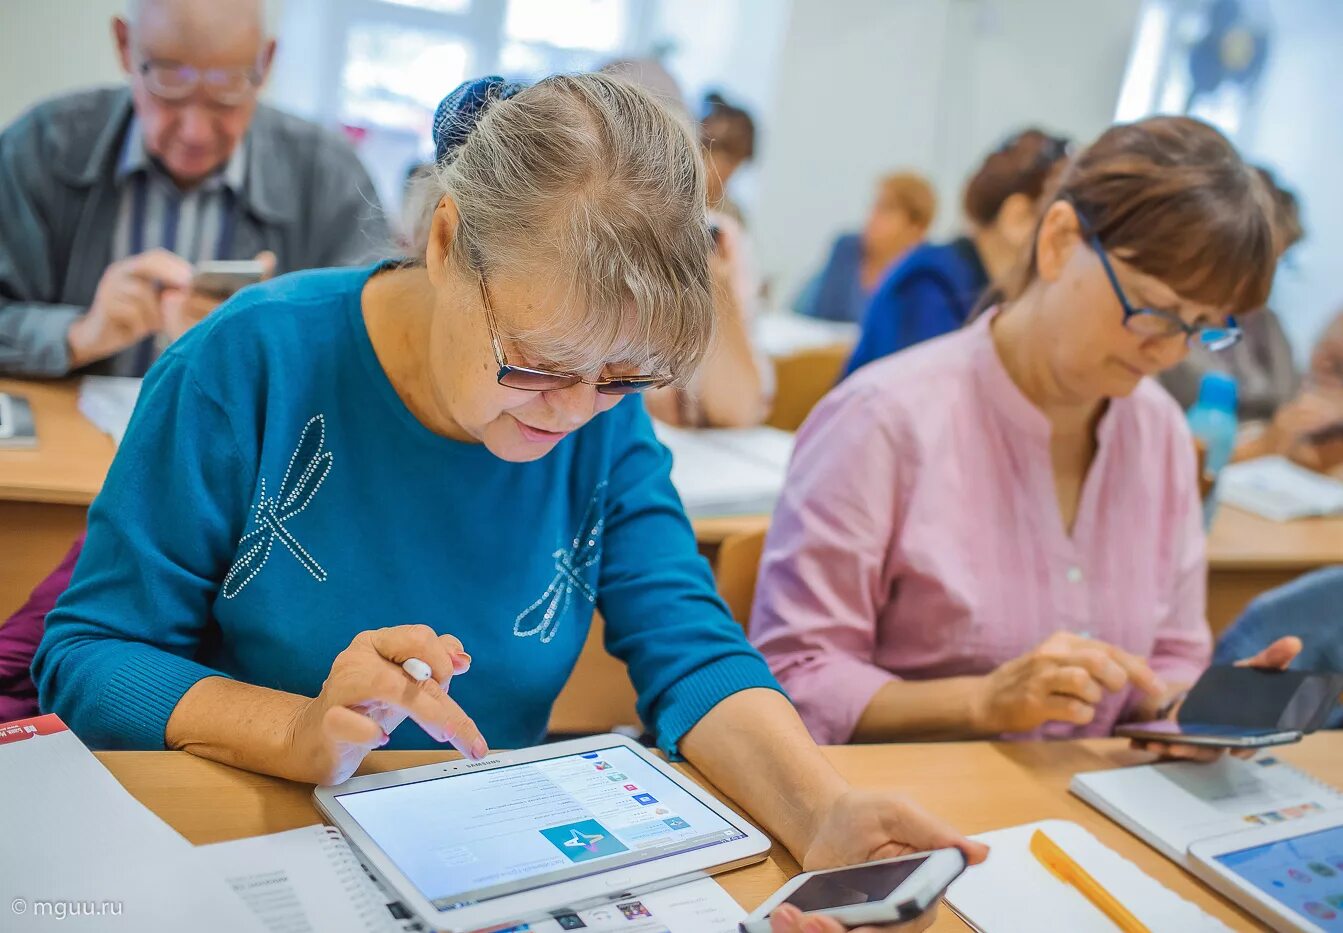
(542, 380)
(227, 87)
(1152, 322)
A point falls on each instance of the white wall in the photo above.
(1298, 132)
(868, 86)
(49, 47)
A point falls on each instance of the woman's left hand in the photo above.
(864, 826)
(1277, 656)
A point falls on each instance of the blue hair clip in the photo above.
(459, 112)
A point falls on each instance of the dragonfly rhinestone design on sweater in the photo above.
(307, 470)
(543, 616)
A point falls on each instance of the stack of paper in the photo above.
(782, 333)
(108, 401)
(727, 471)
(1014, 891)
(1278, 489)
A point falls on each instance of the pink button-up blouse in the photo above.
(919, 536)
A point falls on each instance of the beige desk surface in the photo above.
(72, 460)
(1241, 541)
(978, 785)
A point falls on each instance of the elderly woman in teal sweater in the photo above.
(345, 469)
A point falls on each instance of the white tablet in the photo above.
(1290, 875)
(521, 835)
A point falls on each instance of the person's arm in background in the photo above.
(902, 312)
(705, 693)
(40, 337)
(21, 634)
(33, 327)
(733, 388)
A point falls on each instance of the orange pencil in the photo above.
(1061, 866)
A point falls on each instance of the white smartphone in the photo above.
(892, 890)
(225, 276)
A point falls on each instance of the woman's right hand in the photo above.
(1061, 680)
(367, 695)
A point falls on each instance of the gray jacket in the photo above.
(306, 198)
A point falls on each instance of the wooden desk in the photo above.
(45, 493)
(1249, 555)
(978, 785)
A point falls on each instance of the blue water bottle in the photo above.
(1213, 420)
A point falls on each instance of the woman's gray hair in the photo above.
(586, 185)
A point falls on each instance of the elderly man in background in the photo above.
(108, 197)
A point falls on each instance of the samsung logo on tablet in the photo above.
(481, 764)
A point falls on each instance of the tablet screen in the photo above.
(1305, 874)
(466, 838)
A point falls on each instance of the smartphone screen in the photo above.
(847, 887)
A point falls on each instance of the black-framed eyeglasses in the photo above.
(543, 380)
(173, 81)
(1153, 322)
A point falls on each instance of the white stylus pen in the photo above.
(417, 669)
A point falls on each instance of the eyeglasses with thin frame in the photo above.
(1153, 322)
(543, 380)
(173, 81)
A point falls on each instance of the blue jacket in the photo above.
(836, 293)
(929, 293)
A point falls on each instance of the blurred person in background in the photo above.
(899, 220)
(933, 289)
(1262, 365)
(735, 386)
(109, 196)
(727, 133)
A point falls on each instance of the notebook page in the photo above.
(1013, 891)
(1173, 805)
(1278, 489)
(303, 881)
(712, 478)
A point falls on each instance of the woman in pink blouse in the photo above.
(998, 532)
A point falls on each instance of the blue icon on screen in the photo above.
(591, 754)
(675, 822)
(645, 799)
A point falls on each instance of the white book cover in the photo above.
(78, 852)
(727, 471)
(1172, 805)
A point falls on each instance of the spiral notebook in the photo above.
(1171, 806)
(307, 881)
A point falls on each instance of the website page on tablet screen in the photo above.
(1304, 873)
(466, 838)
